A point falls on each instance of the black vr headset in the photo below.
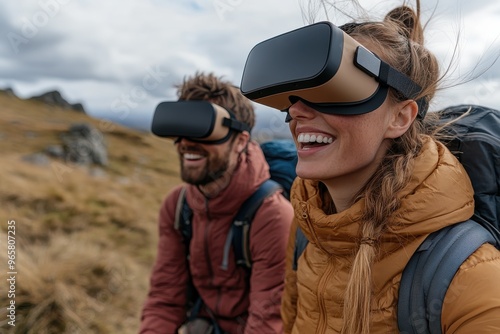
(199, 121)
(325, 68)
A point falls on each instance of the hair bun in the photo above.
(408, 22)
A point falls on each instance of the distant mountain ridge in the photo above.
(53, 98)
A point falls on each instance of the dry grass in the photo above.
(73, 285)
(85, 237)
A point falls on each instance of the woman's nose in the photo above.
(300, 110)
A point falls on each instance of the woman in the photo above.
(371, 188)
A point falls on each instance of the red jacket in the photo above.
(239, 308)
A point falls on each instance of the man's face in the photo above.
(201, 163)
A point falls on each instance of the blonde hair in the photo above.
(209, 87)
(399, 41)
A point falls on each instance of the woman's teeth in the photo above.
(313, 138)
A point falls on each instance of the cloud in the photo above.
(123, 57)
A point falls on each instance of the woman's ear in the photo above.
(403, 116)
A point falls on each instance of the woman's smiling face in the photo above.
(333, 146)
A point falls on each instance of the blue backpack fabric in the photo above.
(426, 278)
(281, 155)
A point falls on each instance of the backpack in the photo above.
(281, 156)
(431, 268)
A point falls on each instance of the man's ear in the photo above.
(404, 113)
(242, 141)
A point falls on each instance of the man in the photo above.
(219, 177)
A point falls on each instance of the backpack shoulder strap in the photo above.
(239, 235)
(300, 244)
(430, 271)
(183, 216)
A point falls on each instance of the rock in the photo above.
(8, 91)
(97, 173)
(78, 107)
(38, 159)
(55, 151)
(83, 144)
(55, 98)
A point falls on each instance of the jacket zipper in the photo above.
(206, 237)
(207, 254)
(207, 257)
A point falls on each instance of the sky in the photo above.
(121, 58)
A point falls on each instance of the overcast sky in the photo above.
(121, 58)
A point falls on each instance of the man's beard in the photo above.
(215, 168)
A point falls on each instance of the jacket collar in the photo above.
(438, 194)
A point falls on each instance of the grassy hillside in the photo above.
(85, 237)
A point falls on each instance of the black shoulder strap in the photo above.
(239, 235)
(431, 269)
(300, 244)
(183, 217)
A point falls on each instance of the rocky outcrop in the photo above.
(84, 144)
(56, 99)
(8, 91)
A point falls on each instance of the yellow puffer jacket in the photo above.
(439, 194)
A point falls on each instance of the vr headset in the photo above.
(199, 121)
(325, 68)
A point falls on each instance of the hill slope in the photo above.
(85, 237)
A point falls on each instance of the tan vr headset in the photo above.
(199, 121)
(325, 68)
